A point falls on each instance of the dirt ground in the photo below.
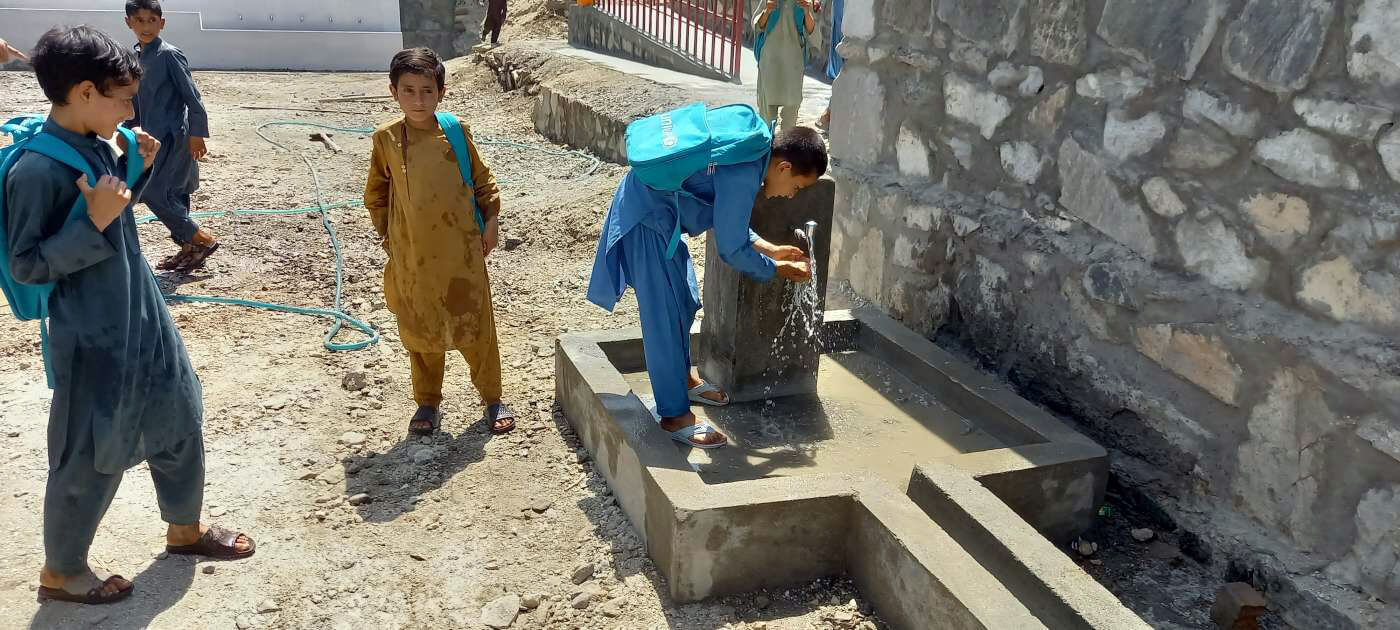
(449, 523)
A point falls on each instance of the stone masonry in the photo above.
(1175, 221)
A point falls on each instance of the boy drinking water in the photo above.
(169, 107)
(124, 390)
(427, 217)
(632, 251)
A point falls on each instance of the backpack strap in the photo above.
(452, 128)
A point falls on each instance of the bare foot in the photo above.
(181, 535)
(695, 381)
(708, 439)
(82, 582)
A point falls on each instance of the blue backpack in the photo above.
(666, 149)
(29, 302)
(452, 128)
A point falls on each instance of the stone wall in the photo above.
(449, 27)
(1176, 221)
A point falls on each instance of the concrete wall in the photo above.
(1177, 221)
(263, 35)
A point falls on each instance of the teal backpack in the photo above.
(666, 149)
(29, 302)
(452, 128)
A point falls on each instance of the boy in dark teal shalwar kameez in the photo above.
(124, 390)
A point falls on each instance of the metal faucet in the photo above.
(808, 235)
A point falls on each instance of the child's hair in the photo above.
(135, 6)
(804, 148)
(67, 56)
(420, 61)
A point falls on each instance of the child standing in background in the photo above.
(169, 107)
(435, 280)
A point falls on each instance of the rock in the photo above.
(1115, 87)
(995, 23)
(1090, 194)
(859, 21)
(13, 434)
(1199, 358)
(1163, 551)
(583, 573)
(1304, 157)
(613, 609)
(333, 475)
(501, 612)
(512, 244)
(209, 569)
(581, 601)
(1353, 120)
(1021, 161)
(1170, 34)
(962, 151)
(359, 499)
(1384, 436)
(1059, 32)
(966, 102)
(1046, 116)
(1389, 148)
(1197, 149)
(351, 438)
(217, 512)
(423, 456)
(532, 601)
(1124, 138)
(1281, 219)
(268, 606)
(1085, 548)
(1236, 606)
(762, 602)
(243, 622)
(1143, 534)
(1236, 119)
(308, 476)
(1376, 541)
(1375, 50)
(1007, 74)
(354, 381)
(1336, 289)
(1213, 250)
(912, 153)
(1103, 283)
(541, 506)
(1275, 44)
(860, 139)
(1162, 199)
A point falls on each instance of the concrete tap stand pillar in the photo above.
(740, 345)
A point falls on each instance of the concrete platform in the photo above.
(973, 564)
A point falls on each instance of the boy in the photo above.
(632, 251)
(124, 388)
(781, 51)
(435, 280)
(169, 107)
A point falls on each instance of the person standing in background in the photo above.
(834, 62)
(781, 50)
(495, 19)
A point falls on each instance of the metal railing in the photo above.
(708, 32)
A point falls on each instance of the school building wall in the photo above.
(327, 35)
(1175, 221)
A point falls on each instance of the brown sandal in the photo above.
(93, 596)
(175, 261)
(198, 254)
(216, 543)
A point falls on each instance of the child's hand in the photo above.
(197, 148)
(798, 272)
(105, 202)
(491, 237)
(788, 253)
(148, 147)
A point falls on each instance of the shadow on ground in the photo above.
(395, 479)
(158, 588)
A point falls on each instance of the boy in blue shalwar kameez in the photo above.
(632, 252)
(124, 389)
(169, 107)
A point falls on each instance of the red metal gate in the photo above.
(709, 32)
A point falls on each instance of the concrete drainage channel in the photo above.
(965, 547)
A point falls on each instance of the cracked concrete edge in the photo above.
(1024, 561)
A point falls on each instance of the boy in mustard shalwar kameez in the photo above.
(435, 281)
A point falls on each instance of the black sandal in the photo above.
(497, 414)
(425, 414)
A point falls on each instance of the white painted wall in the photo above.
(329, 35)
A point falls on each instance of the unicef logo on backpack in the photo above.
(668, 131)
